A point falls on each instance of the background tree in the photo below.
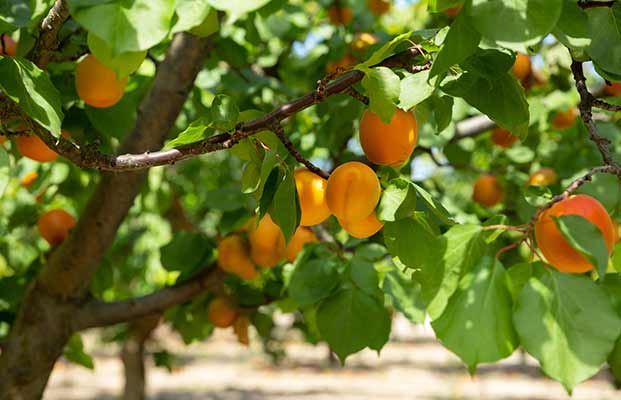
(410, 200)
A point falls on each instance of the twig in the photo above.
(584, 4)
(357, 95)
(280, 132)
(605, 106)
(47, 42)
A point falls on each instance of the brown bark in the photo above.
(133, 357)
(46, 318)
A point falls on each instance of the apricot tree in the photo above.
(338, 160)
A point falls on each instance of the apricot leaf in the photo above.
(383, 87)
(461, 42)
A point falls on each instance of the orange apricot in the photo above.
(565, 119)
(615, 230)
(233, 257)
(97, 84)
(503, 138)
(28, 179)
(364, 228)
(221, 312)
(340, 15)
(267, 243)
(453, 11)
(8, 46)
(363, 40)
(296, 244)
(488, 191)
(543, 177)
(614, 89)
(522, 66)
(342, 63)
(353, 191)
(312, 195)
(556, 249)
(33, 147)
(388, 144)
(240, 327)
(55, 225)
(378, 7)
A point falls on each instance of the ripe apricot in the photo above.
(240, 327)
(8, 46)
(363, 40)
(233, 257)
(353, 191)
(29, 178)
(97, 84)
(34, 148)
(340, 15)
(559, 253)
(614, 89)
(267, 243)
(312, 195)
(221, 312)
(378, 7)
(388, 144)
(342, 63)
(300, 238)
(503, 138)
(542, 177)
(364, 228)
(55, 225)
(488, 191)
(565, 119)
(521, 66)
(453, 11)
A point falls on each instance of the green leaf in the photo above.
(209, 26)
(461, 42)
(269, 191)
(567, 323)
(398, 200)
(5, 169)
(383, 88)
(572, 26)
(251, 177)
(537, 196)
(223, 113)
(31, 88)
(586, 238)
(414, 89)
(195, 132)
(519, 274)
(313, 281)
(190, 14)
(405, 293)
(502, 99)
(285, 208)
(364, 276)
(514, 23)
(370, 251)
(122, 63)
(380, 54)
(351, 320)
(14, 15)
(435, 206)
(476, 324)
(226, 199)
(411, 243)
(127, 26)
(74, 352)
(605, 32)
(236, 9)
(186, 252)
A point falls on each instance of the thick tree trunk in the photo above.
(132, 355)
(46, 318)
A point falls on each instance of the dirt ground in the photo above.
(412, 366)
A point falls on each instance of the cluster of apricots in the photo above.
(222, 313)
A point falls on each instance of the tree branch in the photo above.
(280, 132)
(472, 127)
(47, 42)
(606, 106)
(97, 313)
(584, 4)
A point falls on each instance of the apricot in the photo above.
(233, 257)
(8, 46)
(543, 177)
(296, 244)
(221, 313)
(97, 84)
(521, 66)
(240, 327)
(488, 191)
(364, 228)
(556, 249)
(453, 11)
(565, 119)
(33, 147)
(503, 138)
(312, 195)
(340, 15)
(614, 89)
(378, 7)
(55, 225)
(353, 191)
(342, 63)
(29, 178)
(363, 40)
(267, 243)
(615, 231)
(388, 144)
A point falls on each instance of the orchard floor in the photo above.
(412, 366)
